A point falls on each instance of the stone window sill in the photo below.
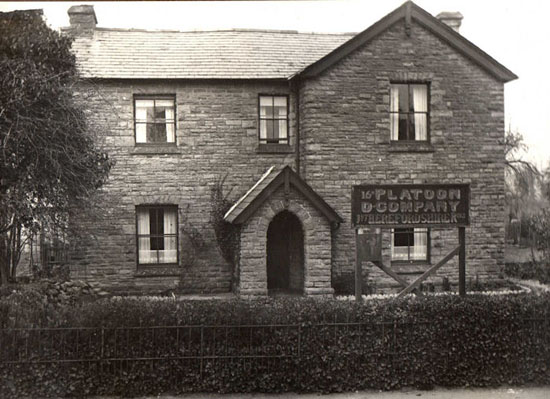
(154, 150)
(411, 268)
(411, 147)
(275, 149)
(158, 271)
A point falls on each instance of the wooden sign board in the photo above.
(411, 205)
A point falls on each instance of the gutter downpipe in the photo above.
(295, 87)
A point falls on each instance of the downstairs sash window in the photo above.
(410, 245)
(157, 235)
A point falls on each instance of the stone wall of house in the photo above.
(217, 135)
(345, 141)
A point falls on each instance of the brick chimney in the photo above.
(452, 19)
(82, 19)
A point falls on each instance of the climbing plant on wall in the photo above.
(227, 234)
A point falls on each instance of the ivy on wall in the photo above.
(227, 234)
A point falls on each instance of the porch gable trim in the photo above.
(260, 193)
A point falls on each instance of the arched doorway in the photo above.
(285, 255)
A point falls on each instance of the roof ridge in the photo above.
(285, 31)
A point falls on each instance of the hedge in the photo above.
(446, 340)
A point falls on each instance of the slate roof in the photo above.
(229, 54)
(252, 193)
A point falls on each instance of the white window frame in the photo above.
(414, 253)
(264, 120)
(417, 115)
(169, 253)
(142, 121)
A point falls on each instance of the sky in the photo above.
(516, 33)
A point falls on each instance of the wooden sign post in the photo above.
(407, 206)
(368, 244)
(358, 270)
(462, 261)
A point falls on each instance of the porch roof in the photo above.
(274, 178)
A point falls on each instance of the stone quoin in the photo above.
(290, 122)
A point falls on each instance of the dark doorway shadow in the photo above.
(285, 255)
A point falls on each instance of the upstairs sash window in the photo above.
(409, 112)
(273, 120)
(155, 120)
(157, 235)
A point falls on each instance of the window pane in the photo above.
(419, 98)
(168, 256)
(402, 237)
(170, 133)
(278, 113)
(403, 120)
(169, 114)
(419, 248)
(157, 243)
(156, 226)
(282, 129)
(143, 222)
(147, 256)
(263, 129)
(169, 221)
(394, 98)
(266, 101)
(160, 113)
(411, 127)
(400, 253)
(270, 130)
(267, 112)
(421, 126)
(141, 133)
(164, 112)
(156, 133)
(280, 107)
(141, 114)
(170, 252)
(145, 103)
(279, 101)
(400, 244)
(403, 97)
(164, 103)
(144, 243)
(266, 107)
(394, 126)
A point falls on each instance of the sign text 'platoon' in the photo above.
(392, 205)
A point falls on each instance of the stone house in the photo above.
(290, 122)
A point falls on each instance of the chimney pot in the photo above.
(451, 19)
(82, 19)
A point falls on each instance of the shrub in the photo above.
(539, 226)
(529, 271)
(336, 346)
(344, 284)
